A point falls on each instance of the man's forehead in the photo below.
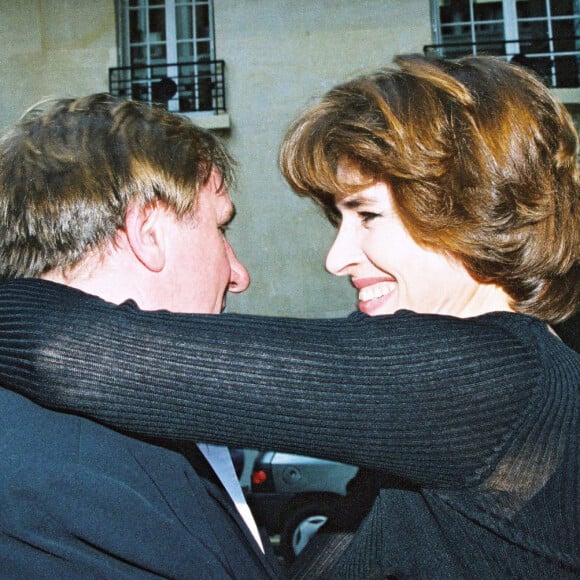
(215, 192)
(215, 185)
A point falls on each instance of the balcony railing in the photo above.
(555, 60)
(185, 87)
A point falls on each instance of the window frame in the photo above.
(514, 43)
(122, 13)
(173, 62)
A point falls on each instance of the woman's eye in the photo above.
(368, 216)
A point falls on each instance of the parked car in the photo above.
(293, 496)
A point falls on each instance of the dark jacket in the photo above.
(78, 500)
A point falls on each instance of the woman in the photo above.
(455, 189)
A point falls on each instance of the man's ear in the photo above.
(145, 234)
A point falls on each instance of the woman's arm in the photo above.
(407, 393)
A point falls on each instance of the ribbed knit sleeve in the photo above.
(427, 397)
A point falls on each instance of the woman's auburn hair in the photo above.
(481, 161)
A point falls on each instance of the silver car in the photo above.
(294, 495)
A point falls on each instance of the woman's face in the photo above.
(390, 270)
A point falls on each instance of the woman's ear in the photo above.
(145, 234)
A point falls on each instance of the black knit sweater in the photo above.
(481, 414)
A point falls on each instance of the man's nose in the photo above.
(239, 276)
(343, 253)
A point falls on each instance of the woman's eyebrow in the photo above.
(354, 202)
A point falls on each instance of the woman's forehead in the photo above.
(377, 192)
(352, 181)
(348, 172)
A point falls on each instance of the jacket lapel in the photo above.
(216, 490)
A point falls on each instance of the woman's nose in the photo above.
(343, 253)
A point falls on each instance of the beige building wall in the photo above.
(280, 55)
(53, 48)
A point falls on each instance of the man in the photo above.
(129, 203)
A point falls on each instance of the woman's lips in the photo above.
(373, 293)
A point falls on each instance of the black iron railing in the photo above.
(555, 60)
(182, 87)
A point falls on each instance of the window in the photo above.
(166, 31)
(541, 34)
(166, 52)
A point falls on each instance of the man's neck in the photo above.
(109, 275)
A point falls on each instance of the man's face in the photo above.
(201, 265)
